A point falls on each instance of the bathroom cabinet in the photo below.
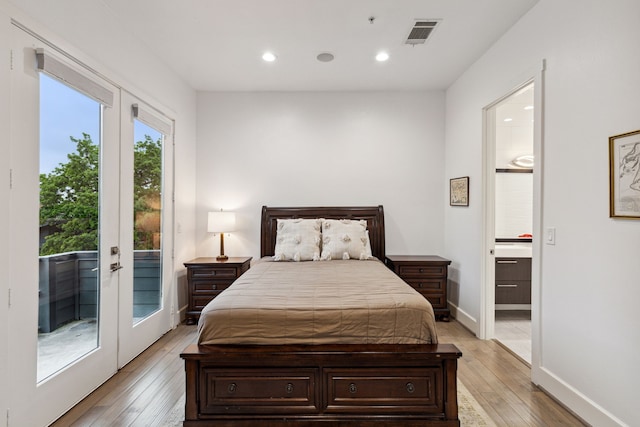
(513, 280)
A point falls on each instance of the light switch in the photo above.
(550, 236)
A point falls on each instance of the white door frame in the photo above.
(5, 123)
(487, 308)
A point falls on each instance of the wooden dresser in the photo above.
(207, 277)
(428, 275)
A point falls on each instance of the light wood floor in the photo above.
(149, 391)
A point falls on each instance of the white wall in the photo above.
(589, 279)
(514, 204)
(322, 149)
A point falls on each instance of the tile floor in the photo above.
(513, 331)
(66, 344)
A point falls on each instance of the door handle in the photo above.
(115, 266)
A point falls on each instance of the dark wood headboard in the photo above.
(373, 214)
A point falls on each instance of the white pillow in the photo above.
(297, 240)
(345, 239)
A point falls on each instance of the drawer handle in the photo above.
(232, 388)
(289, 388)
(507, 286)
(421, 270)
(411, 388)
(353, 389)
(507, 261)
(214, 287)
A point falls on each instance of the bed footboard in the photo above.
(356, 385)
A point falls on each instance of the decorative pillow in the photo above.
(298, 240)
(345, 239)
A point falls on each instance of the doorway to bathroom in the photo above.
(512, 127)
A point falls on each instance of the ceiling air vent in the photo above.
(421, 30)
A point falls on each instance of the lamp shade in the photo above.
(221, 222)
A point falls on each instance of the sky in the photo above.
(65, 112)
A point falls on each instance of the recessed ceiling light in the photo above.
(325, 57)
(529, 107)
(508, 119)
(382, 56)
(268, 56)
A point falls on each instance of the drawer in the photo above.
(513, 268)
(422, 270)
(210, 273)
(513, 292)
(385, 389)
(426, 284)
(200, 300)
(211, 286)
(239, 391)
(436, 300)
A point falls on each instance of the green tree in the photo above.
(147, 186)
(69, 198)
(69, 201)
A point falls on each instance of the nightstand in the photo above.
(428, 275)
(207, 277)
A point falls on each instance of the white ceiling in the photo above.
(216, 45)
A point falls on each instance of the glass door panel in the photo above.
(147, 220)
(69, 285)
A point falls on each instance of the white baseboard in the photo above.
(464, 318)
(576, 402)
(181, 314)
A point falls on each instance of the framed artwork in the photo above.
(624, 175)
(459, 191)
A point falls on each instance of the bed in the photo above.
(277, 377)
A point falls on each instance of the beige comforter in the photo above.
(318, 302)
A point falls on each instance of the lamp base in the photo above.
(222, 256)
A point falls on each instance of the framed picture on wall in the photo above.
(459, 191)
(624, 175)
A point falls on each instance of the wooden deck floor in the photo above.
(149, 391)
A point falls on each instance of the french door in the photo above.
(145, 227)
(88, 282)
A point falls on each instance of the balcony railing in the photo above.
(68, 288)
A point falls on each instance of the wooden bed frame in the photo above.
(340, 384)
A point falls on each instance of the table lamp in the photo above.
(221, 222)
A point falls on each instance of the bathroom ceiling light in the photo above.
(382, 56)
(325, 57)
(269, 57)
(525, 161)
